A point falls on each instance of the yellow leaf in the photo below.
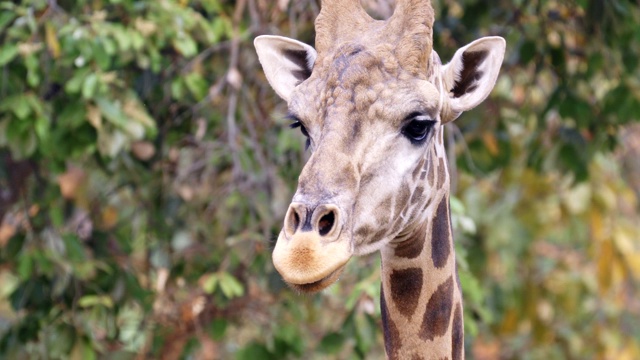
(577, 199)
(146, 28)
(70, 182)
(626, 241)
(109, 217)
(136, 111)
(634, 263)
(94, 117)
(605, 259)
(52, 41)
(510, 322)
(34, 210)
(7, 231)
(630, 352)
(490, 142)
(597, 226)
(143, 150)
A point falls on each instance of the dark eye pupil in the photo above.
(417, 130)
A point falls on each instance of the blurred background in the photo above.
(146, 166)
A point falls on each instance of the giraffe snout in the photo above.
(312, 249)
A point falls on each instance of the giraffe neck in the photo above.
(421, 299)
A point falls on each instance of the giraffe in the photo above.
(372, 99)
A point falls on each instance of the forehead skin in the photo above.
(358, 84)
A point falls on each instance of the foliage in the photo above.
(145, 168)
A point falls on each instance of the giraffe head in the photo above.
(372, 99)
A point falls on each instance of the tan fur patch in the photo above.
(441, 172)
(431, 174)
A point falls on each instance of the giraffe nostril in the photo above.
(326, 223)
(296, 220)
(292, 221)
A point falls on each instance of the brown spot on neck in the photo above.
(438, 312)
(457, 335)
(412, 246)
(406, 286)
(441, 234)
(392, 340)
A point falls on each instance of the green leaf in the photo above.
(33, 70)
(112, 111)
(76, 82)
(365, 332)
(5, 18)
(230, 286)
(137, 40)
(18, 104)
(254, 351)
(331, 343)
(25, 266)
(210, 283)
(577, 109)
(177, 89)
(60, 340)
(74, 248)
(7, 53)
(83, 349)
(95, 300)
(470, 287)
(527, 51)
(8, 284)
(42, 126)
(13, 248)
(197, 85)
(73, 115)
(186, 45)
(122, 38)
(23, 143)
(218, 328)
(90, 86)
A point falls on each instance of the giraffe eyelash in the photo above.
(298, 124)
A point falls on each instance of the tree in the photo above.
(145, 167)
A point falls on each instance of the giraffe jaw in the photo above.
(308, 263)
(319, 285)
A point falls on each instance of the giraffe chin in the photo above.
(319, 285)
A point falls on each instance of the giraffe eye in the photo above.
(418, 129)
(298, 124)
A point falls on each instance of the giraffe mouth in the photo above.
(313, 287)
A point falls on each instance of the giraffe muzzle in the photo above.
(312, 248)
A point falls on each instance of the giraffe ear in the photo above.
(470, 76)
(286, 62)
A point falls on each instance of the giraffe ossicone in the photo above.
(372, 98)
